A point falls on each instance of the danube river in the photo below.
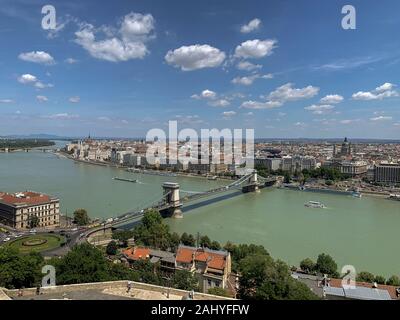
(362, 232)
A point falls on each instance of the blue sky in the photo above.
(119, 68)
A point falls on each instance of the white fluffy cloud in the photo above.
(258, 105)
(288, 93)
(255, 48)
(74, 99)
(281, 95)
(37, 57)
(27, 78)
(248, 80)
(320, 109)
(30, 79)
(332, 99)
(251, 26)
(212, 98)
(195, 57)
(248, 66)
(384, 91)
(129, 42)
(381, 118)
(228, 114)
(205, 94)
(42, 98)
(219, 103)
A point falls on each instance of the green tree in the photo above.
(218, 291)
(84, 263)
(185, 280)
(123, 236)
(393, 281)
(380, 279)
(188, 239)
(174, 241)
(153, 231)
(326, 265)
(33, 221)
(286, 177)
(112, 248)
(215, 245)
(264, 279)
(307, 265)
(205, 242)
(18, 271)
(81, 217)
(365, 276)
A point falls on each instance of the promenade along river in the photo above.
(362, 232)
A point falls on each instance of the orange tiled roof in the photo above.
(137, 253)
(337, 283)
(28, 197)
(213, 259)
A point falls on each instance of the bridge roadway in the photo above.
(135, 216)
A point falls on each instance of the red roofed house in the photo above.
(211, 266)
(18, 209)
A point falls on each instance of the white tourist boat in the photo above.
(315, 204)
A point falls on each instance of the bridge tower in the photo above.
(253, 184)
(172, 200)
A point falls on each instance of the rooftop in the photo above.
(24, 198)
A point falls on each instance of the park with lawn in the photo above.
(37, 243)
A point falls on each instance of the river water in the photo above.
(361, 232)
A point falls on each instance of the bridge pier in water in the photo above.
(172, 198)
(253, 185)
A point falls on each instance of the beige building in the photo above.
(22, 209)
(212, 267)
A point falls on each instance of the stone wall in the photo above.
(109, 285)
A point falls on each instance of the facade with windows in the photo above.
(29, 209)
(387, 173)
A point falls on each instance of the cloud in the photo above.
(128, 42)
(205, 94)
(27, 79)
(251, 26)
(30, 79)
(320, 109)
(288, 93)
(281, 95)
(228, 114)
(332, 99)
(248, 80)
(381, 118)
(61, 116)
(103, 118)
(71, 61)
(349, 121)
(74, 99)
(195, 57)
(219, 103)
(261, 105)
(37, 57)
(212, 97)
(381, 92)
(189, 119)
(255, 48)
(248, 66)
(6, 101)
(42, 98)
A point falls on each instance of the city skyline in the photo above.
(277, 67)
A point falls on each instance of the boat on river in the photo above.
(315, 204)
(395, 197)
(126, 180)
